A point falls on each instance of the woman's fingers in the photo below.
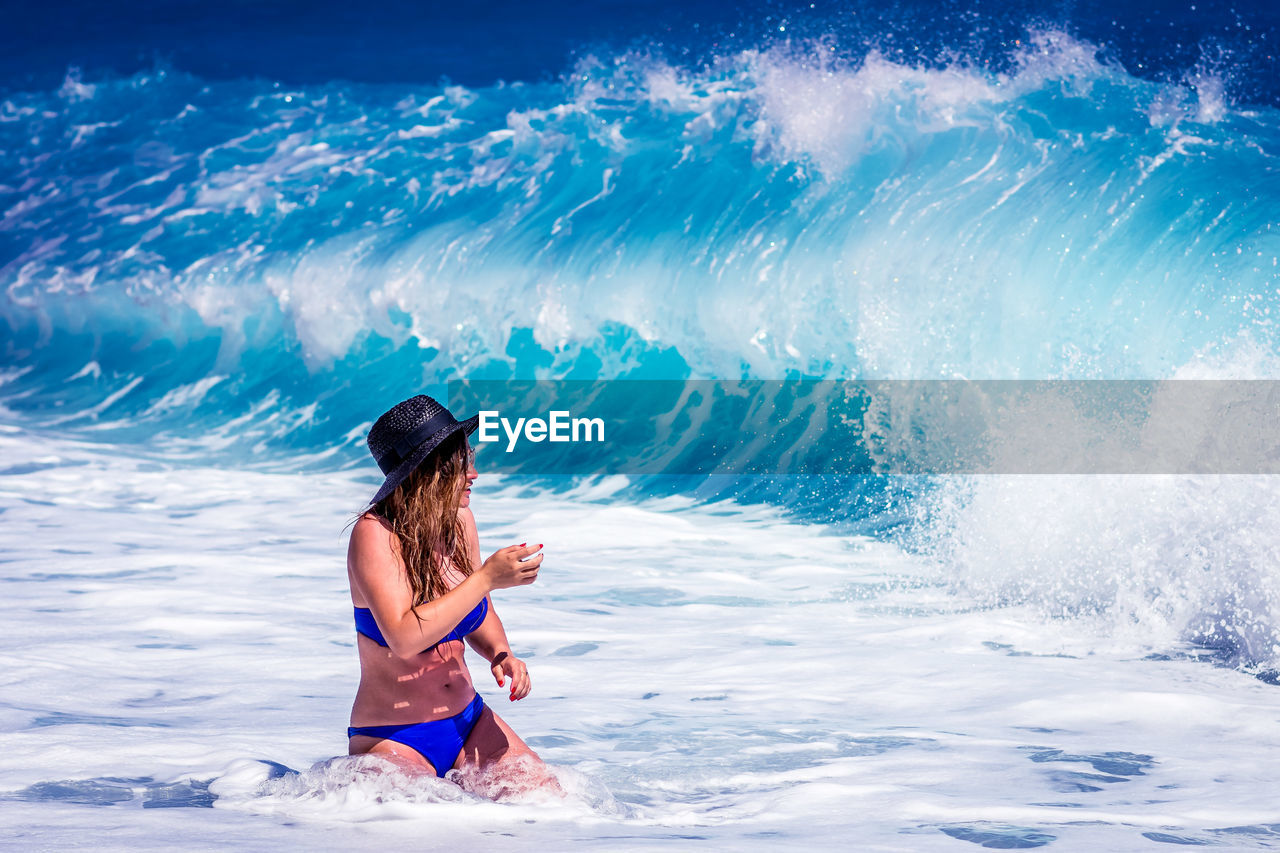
(507, 568)
(529, 569)
(520, 683)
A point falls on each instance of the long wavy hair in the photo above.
(423, 512)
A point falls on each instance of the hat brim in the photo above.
(419, 454)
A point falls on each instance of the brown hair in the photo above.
(423, 511)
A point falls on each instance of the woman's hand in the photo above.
(507, 567)
(510, 666)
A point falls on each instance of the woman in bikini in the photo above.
(419, 588)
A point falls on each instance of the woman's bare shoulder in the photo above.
(370, 523)
(371, 532)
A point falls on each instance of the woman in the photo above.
(419, 588)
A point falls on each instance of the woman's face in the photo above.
(465, 498)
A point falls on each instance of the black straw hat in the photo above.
(407, 433)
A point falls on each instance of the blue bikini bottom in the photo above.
(438, 741)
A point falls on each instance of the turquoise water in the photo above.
(181, 252)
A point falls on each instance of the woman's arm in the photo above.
(490, 639)
(378, 572)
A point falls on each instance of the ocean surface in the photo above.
(229, 242)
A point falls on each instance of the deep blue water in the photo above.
(406, 41)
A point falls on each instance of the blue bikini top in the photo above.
(367, 625)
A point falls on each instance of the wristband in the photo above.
(498, 658)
